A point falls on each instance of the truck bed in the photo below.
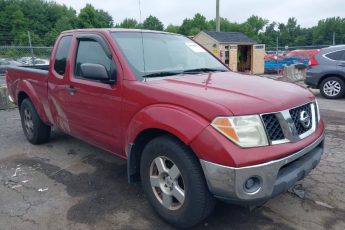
(30, 80)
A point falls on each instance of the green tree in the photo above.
(89, 17)
(62, 24)
(323, 32)
(289, 32)
(104, 19)
(186, 26)
(45, 20)
(172, 29)
(254, 26)
(12, 24)
(128, 23)
(225, 25)
(191, 27)
(270, 35)
(256, 23)
(39, 17)
(153, 23)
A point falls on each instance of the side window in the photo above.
(61, 55)
(337, 56)
(92, 52)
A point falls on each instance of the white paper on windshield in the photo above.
(195, 47)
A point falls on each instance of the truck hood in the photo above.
(240, 94)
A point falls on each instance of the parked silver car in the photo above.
(327, 72)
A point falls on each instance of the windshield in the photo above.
(165, 54)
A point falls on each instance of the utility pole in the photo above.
(334, 38)
(31, 50)
(217, 17)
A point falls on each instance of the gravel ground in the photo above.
(68, 184)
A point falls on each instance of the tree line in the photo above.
(45, 20)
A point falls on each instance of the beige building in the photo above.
(235, 49)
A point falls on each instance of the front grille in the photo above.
(290, 125)
(273, 128)
(295, 115)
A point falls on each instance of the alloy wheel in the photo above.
(28, 123)
(167, 183)
(332, 88)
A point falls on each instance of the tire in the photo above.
(332, 88)
(34, 129)
(197, 204)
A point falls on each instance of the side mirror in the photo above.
(94, 72)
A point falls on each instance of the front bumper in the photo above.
(274, 177)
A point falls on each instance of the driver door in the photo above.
(95, 106)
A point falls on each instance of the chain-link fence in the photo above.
(25, 55)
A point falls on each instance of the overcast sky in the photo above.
(307, 12)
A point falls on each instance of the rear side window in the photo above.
(337, 56)
(61, 55)
(92, 52)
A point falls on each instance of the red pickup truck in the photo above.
(190, 129)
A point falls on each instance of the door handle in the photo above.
(71, 89)
(342, 64)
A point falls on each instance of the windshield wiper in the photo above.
(161, 74)
(198, 70)
(171, 73)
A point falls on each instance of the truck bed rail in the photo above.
(42, 69)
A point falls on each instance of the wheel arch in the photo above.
(342, 77)
(26, 90)
(156, 121)
(135, 150)
(20, 98)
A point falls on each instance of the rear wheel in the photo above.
(34, 129)
(174, 183)
(332, 88)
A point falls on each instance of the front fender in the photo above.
(178, 121)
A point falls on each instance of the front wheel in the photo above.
(174, 183)
(332, 88)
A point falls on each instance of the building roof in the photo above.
(230, 37)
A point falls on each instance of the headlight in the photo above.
(245, 131)
(317, 111)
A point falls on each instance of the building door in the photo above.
(244, 58)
